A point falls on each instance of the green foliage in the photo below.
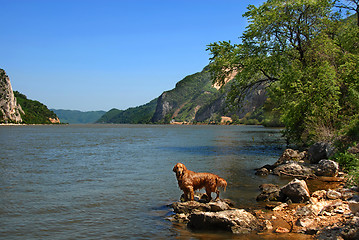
(137, 115)
(347, 161)
(35, 112)
(78, 117)
(350, 163)
(305, 56)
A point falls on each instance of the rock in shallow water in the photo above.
(292, 169)
(235, 221)
(296, 190)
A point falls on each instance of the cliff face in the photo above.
(182, 103)
(9, 109)
(194, 99)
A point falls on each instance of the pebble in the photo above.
(282, 230)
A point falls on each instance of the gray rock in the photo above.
(218, 206)
(235, 221)
(296, 190)
(319, 151)
(290, 155)
(189, 207)
(269, 192)
(327, 168)
(292, 168)
(9, 109)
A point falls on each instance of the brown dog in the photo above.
(190, 181)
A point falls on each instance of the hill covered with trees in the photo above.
(78, 117)
(194, 99)
(35, 112)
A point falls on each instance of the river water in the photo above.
(115, 181)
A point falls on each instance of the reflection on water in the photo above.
(115, 181)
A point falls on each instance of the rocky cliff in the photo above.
(194, 99)
(182, 103)
(10, 111)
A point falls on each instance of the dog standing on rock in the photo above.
(189, 181)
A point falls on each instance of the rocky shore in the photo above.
(292, 208)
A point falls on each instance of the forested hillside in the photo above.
(137, 115)
(34, 111)
(78, 117)
(194, 99)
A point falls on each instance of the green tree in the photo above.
(350, 5)
(294, 49)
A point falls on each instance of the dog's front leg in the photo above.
(191, 194)
(217, 197)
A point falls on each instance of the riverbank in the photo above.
(323, 209)
(328, 214)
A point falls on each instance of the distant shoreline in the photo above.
(31, 124)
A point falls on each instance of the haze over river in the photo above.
(115, 181)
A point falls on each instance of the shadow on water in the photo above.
(264, 150)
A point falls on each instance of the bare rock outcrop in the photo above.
(214, 215)
(296, 190)
(9, 109)
(235, 221)
(319, 151)
(294, 163)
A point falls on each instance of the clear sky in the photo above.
(102, 54)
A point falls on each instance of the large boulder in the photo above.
(327, 168)
(319, 151)
(269, 192)
(296, 190)
(292, 169)
(235, 221)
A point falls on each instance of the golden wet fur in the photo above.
(189, 181)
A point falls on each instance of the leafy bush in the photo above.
(347, 161)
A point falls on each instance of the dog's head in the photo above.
(179, 169)
(221, 183)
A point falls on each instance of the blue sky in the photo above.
(97, 55)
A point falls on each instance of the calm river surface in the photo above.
(115, 181)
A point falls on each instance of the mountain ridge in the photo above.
(193, 99)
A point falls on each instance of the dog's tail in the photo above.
(221, 183)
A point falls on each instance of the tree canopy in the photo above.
(307, 56)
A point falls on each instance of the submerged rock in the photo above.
(235, 221)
